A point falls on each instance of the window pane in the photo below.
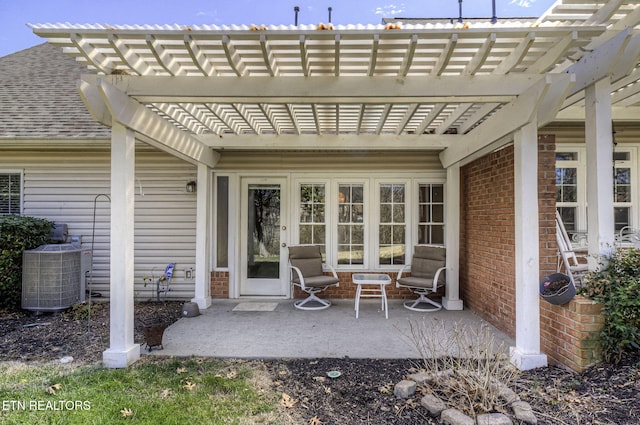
(10, 194)
(623, 176)
(385, 213)
(391, 237)
(350, 229)
(623, 194)
(318, 213)
(385, 235)
(357, 234)
(424, 193)
(568, 215)
(566, 176)
(431, 214)
(398, 234)
(398, 193)
(567, 184)
(424, 212)
(357, 192)
(319, 236)
(622, 156)
(306, 235)
(566, 156)
(357, 213)
(306, 213)
(622, 185)
(438, 213)
(437, 235)
(312, 208)
(344, 234)
(437, 193)
(385, 193)
(398, 213)
(621, 217)
(222, 221)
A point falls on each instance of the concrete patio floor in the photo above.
(286, 332)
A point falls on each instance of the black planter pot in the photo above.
(153, 333)
(561, 297)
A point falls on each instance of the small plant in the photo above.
(82, 311)
(617, 286)
(470, 370)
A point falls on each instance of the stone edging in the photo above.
(522, 411)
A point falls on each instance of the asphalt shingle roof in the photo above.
(39, 100)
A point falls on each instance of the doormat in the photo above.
(255, 307)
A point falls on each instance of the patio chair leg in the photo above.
(422, 299)
(301, 304)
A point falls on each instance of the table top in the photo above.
(371, 278)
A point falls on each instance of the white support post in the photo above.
(451, 300)
(203, 237)
(599, 142)
(122, 351)
(526, 354)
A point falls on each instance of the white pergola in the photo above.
(462, 90)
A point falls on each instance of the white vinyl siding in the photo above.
(65, 185)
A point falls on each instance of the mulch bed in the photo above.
(362, 394)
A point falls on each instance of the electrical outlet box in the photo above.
(188, 273)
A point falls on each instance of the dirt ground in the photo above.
(362, 394)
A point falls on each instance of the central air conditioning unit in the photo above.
(53, 277)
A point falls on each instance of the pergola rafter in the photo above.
(431, 77)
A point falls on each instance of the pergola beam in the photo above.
(510, 118)
(330, 141)
(479, 88)
(607, 56)
(160, 133)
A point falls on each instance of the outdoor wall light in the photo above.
(191, 186)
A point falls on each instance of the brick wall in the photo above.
(487, 231)
(569, 333)
(219, 284)
(346, 289)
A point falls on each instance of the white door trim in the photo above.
(254, 287)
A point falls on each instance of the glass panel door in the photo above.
(264, 256)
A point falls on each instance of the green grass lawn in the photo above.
(152, 391)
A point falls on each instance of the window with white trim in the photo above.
(622, 189)
(392, 228)
(571, 187)
(312, 225)
(368, 222)
(568, 166)
(430, 214)
(351, 224)
(10, 193)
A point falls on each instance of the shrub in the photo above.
(16, 235)
(617, 286)
(464, 365)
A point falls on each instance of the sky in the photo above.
(15, 14)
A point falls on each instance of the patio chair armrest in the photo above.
(300, 277)
(332, 270)
(402, 270)
(436, 277)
